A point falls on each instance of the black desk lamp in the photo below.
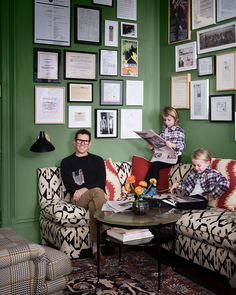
(42, 144)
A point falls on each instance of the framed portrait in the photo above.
(222, 108)
(80, 65)
(203, 13)
(80, 92)
(111, 92)
(108, 62)
(131, 121)
(47, 65)
(106, 123)
(216, 38)
(185, 57)
(103, 2)
(111, 33)
(225, 71)
(206, 66)
(128, 30)
(79, 117)
(199, 105)
(127, 9)
(178, 21)
(88, 25)
(129, 58)
(49, 105)
(180, 91)
(225, 9)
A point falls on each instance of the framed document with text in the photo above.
(180, 91)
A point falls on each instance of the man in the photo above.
(84, 176)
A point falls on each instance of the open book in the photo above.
(161, 152)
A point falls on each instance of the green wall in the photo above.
(217, 137)
(19, 201)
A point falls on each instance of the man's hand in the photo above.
(78, 193)
(173, 187)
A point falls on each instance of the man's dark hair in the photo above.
(83, 131)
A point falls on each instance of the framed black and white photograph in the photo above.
(111, 33)
(111, 92)
(199, 97)
(47, 65)
(128, 30)
(106, 123)
(225, 9)
(108, 62)
(88, 25)
(225, 71)
(203, 13)
(206, 66)
(185, 57)
(222, 108)
(80, 92)
(79, 117)
(80, 65)
(103, 2)
(129, 57)
(216, 38)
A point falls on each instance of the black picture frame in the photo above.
(87, 25)
(222, 108)
(106, 123)
(80, 92)
(47, 65)
(111, 92)
(206, 66)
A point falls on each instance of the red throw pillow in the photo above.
(113, 186)
(140, 168)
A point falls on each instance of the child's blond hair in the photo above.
(201, 154)
(169, 111)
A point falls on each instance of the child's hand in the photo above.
(170, 144)
(173, 187)
(150, 147)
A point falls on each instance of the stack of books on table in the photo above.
(127, 235)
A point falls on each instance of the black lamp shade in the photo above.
(42, 145)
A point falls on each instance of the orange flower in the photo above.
(127, 188)
(153, 181)
(131, 179)
(138, 190)
(143, 183)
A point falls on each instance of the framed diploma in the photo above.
(111, 92)
(80, 92)
(108, 62)
(80, 65)
(47, 65)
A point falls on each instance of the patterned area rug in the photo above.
(136, 274)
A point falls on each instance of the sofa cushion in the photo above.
(113, 185)
(140, 168)
(124, 170)
(178, 172)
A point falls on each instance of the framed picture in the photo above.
(134, 92)
(80, 92)
(47, 65)
(185, 57)
(79, 117)
(203, 13)
(225, 71)
(206, 66)
(103, 2)
(131, 119)
(127, 9)
(222, 108)
(178, 21)
(80, 65)
(88, 25)
(225, 9)
(180, 91)
(111, 92)
(108, 62)
(216, 38)
(128, 30)
(111, 33)
(48, 19)
(199, 90)
(106, 123)
(49, 105)
(129, 58)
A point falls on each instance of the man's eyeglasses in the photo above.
(82, 141)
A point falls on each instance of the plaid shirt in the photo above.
(175, 134)
(211, 181)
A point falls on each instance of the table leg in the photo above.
(158, 258)
(98, 250)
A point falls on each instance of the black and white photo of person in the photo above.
(103, 123)
(110, 123)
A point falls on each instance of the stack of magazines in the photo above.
(126, 235)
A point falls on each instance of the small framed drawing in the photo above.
(185, 57)
(88, 25)
(199, 90)
(222, 108)
(128, 30)
(180, 91)
(225, 9)
(79, 117)
(203, 13)
(103, 2)
(108, 62)
(49, 105)
(47, 65)
(129, 58)
(206, 66)
(80, 92)
(225, 71)
(106, 123)
(111, 92)
(80, 65)
(178, 21)
(111, 33)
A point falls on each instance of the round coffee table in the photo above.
(155, 218)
